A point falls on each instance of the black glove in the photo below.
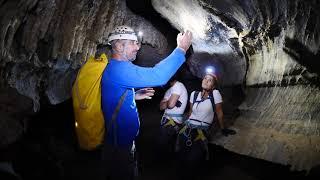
(227, 132)
(178, 104)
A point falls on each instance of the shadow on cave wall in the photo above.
(302, 55)
(145, 9)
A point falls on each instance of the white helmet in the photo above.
(210, 70)
(213, 75)
(122, 32)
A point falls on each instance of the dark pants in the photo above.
(119, 163)
(192, 155)
(86, 165)
(167, 140)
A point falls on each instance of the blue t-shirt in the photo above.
(124, 75)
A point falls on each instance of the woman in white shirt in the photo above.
(192, 143)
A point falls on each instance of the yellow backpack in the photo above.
(86, 96)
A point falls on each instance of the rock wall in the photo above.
(272, 47)
(43, 43)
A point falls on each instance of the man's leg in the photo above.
(119, 163)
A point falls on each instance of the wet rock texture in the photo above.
(268, 48)
(43, 43)
(273, 47)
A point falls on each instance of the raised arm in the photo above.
(133, 76)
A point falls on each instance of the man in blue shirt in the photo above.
(120, 79)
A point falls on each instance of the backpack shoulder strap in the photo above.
(115, 115)
(212, 101)
(196, 93)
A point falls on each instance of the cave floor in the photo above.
(48, 151)
(222, 164)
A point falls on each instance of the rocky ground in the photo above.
(48, 151)
(223, 164)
